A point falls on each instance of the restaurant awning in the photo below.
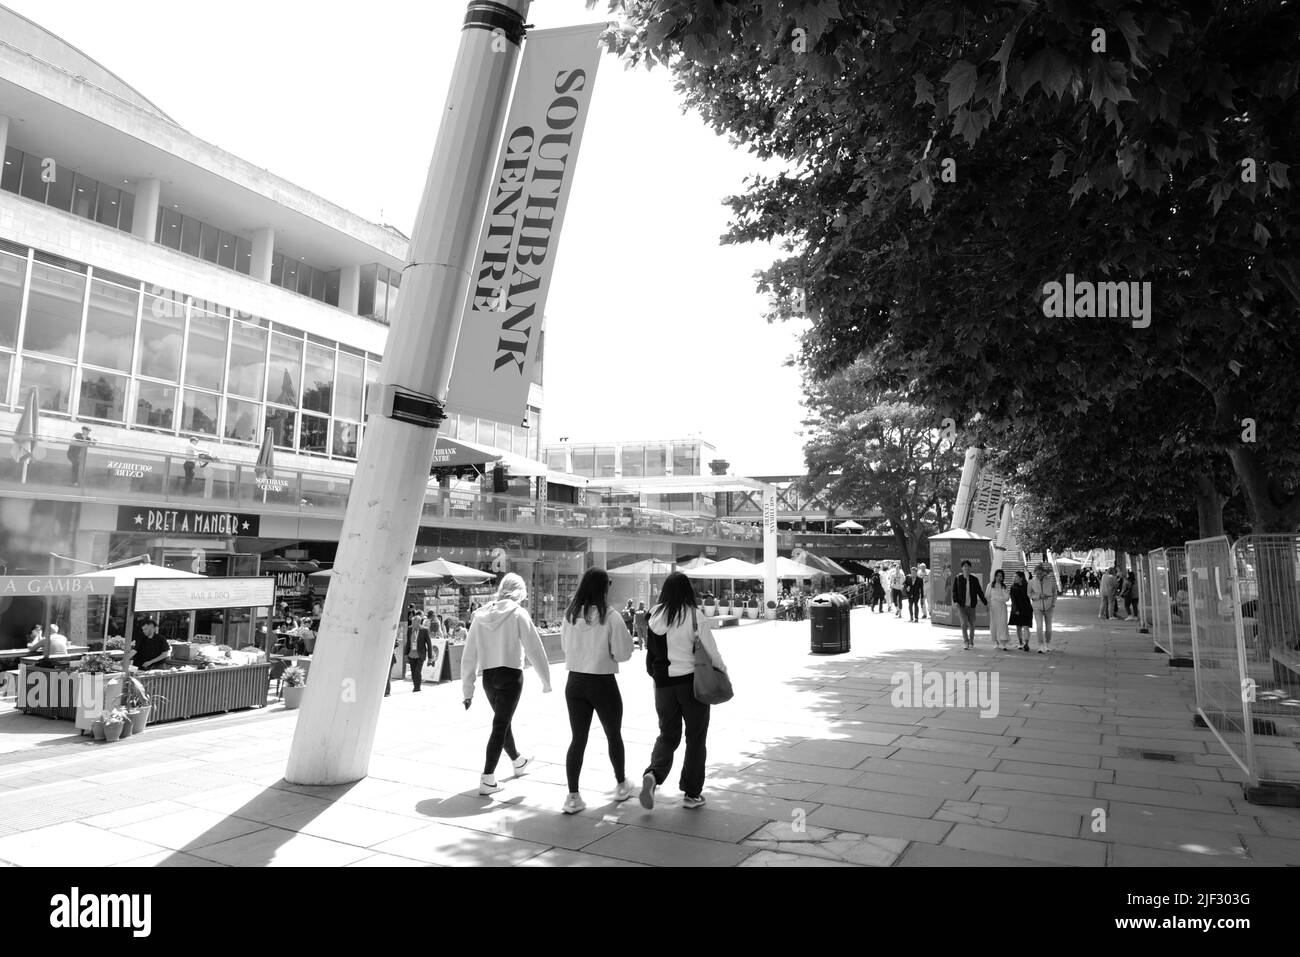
(789, 568)
(126, 575)
(730, 568)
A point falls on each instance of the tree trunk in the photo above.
(902, 540)
(1209, 507)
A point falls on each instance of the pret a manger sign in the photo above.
(512, 268)
(168, 594)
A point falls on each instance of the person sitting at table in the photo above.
(53, 644)
(151, 649)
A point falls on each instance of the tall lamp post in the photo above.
(340, 709)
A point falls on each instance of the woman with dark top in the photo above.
(1022, 610)
(674, 627)
(595, 640)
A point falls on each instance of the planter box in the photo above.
(191, 694)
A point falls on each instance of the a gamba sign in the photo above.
(171, 594)
(72, 586)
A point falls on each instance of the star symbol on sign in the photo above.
(139, 519)
(245, 526)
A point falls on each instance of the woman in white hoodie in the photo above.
(670, 659)
(500, 635)
(595, 639)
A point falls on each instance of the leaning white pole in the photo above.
(340, 709)
(970, 472)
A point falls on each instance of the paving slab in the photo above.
(929, 855)
(1038, 847)
(72, 844)
(879, 824)
(663, 849)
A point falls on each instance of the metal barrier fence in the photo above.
(1171, 616)
(1216, 616)
(1268, 606)
(1143, 585)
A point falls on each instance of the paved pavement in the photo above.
(1092, 759)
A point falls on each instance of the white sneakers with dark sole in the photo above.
(573, 804)
(648, 792)
(624, 791)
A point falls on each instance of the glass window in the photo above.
(243, 255)
(33, 180)
(126, 218)
(306, 278)
(555, 461)
(282, 424)
(191, 229)
(372, 380)
(366, 299)
(318, 285)
(53, 379)
(487, 433)
(314, 434)
(247, 360)
(155, 406)
(348, 386)
(226, 251)
(169, 228)
(604, 462)
(54, 311)
(11, 173)
(6, 361)
(12, 272)
(284, 377)
(243, 420)
(656, 460)
(162, 325)
(103, 396)
(584, 462)
(199, 412)
(209, 242)
(467, 428)
(633, 460)
(345, 439)
(394, 281)
(206, 356)
(109, 205)
(84, 190)
(319, 378)
(332, 287)
(110, 326)
(686, 459)
(519, 443)
(60, 194)
(277, 269)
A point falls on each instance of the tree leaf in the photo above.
(969, 124)
(1132, 32)
(961, 83)
(1261, 234)
(1277, 174)
(1058, 164)
(924, 90)
(1108, 84)
(922, 192)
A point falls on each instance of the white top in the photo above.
(500, 635)
(681, 641)
(593, 647)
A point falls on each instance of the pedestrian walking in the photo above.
(1042, 595)
(594, 640)
(912, 590)
(641, 624)
(1022, 610)
(418, 650)
(896, 580)
(877, 594)
(675, 627)
(1131, 598)
(1107, 589)
(500, 635)
(925, 590)
(629, 615)
(966, 591)
(999, 595)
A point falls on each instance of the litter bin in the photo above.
(828, 617)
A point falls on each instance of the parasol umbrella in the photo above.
(697, 562)
(26, 440)
(789, 568)
(442, 568)
(730, 568)
(125, 576)
(849, 526)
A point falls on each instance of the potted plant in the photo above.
(115, 643)
(97, 728)
(295, 684)
(115, 722)
(138, 703)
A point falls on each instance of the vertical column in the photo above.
(263, 250)
(769, 550)
(350, 288)
(148, 195)
(4, 135)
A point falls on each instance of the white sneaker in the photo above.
(693, 802)
(624, 791)
(648, 792)
(520, 763)
(487, 784)
(573, 804)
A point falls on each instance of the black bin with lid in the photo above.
(828, 619)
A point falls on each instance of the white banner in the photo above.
(986, 505)
(502, 321)
(184, 594)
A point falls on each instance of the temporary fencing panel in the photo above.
(1142, 569)
(1267, 605)
(1170, 592)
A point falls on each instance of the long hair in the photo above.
(512, 587)
(591, 593)
(676, 596)
(999, 573)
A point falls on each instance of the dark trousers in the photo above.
(676, 704)
(585, 694)
(417, 668)
(189, 475)
(914, 606)
(502, 687)
(877, 603)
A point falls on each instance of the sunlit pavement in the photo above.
(1092, 759)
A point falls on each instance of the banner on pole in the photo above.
(986, 505)
(515, 259)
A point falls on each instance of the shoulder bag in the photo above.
(712, 686)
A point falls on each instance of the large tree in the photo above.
(881, 452)
(947, 161)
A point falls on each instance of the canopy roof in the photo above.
(728, 568)
(438, 570)
(126, 575)
(789, 568)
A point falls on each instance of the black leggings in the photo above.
(585, 694)
(502, 687)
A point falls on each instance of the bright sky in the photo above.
(654, 329)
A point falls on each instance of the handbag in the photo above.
(712, 686)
